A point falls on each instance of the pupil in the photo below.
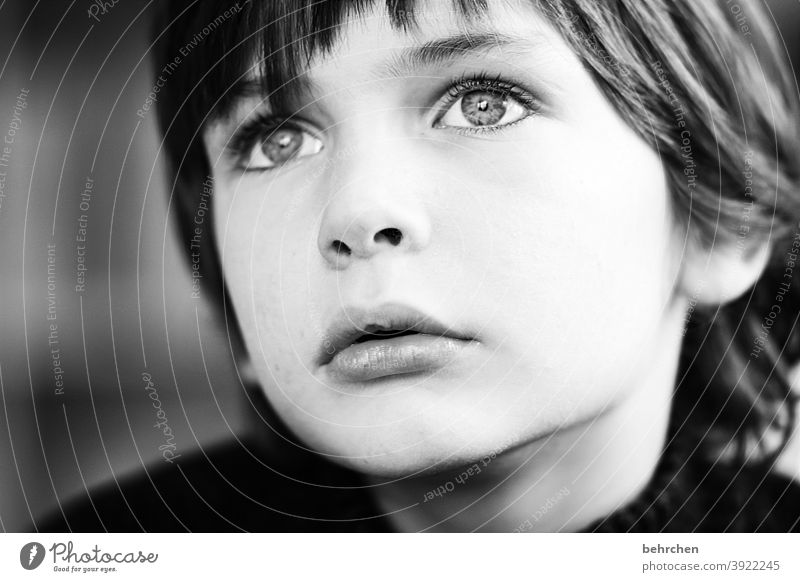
(282, 145)
(483, 107)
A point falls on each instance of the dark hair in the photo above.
(702, 83)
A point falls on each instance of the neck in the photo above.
(562, 482)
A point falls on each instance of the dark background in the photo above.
(85, 80)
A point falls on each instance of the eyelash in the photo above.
(260, 126)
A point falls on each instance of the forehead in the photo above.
(376, 29)
(440, 34)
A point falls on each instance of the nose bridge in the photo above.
(374, 202)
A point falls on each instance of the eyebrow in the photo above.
(432, 53)
(448, 49)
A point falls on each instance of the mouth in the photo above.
(382, 334)
(391, 340)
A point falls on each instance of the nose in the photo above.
(374, 213)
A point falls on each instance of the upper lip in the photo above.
(351, 323)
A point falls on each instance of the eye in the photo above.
(485, 105)
(266, 144)
(280, 146)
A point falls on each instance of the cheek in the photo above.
(268, 280)
(585, 270)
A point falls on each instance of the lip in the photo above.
(432, 345)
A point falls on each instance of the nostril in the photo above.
(392, 235)
(340, 248)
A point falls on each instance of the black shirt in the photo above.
(234, 488)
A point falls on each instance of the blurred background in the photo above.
(97, 314)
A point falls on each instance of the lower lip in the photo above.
(407, 354)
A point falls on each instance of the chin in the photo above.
(408, 465)
(394, 456)
(400, 427)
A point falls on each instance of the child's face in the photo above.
(533, 221)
